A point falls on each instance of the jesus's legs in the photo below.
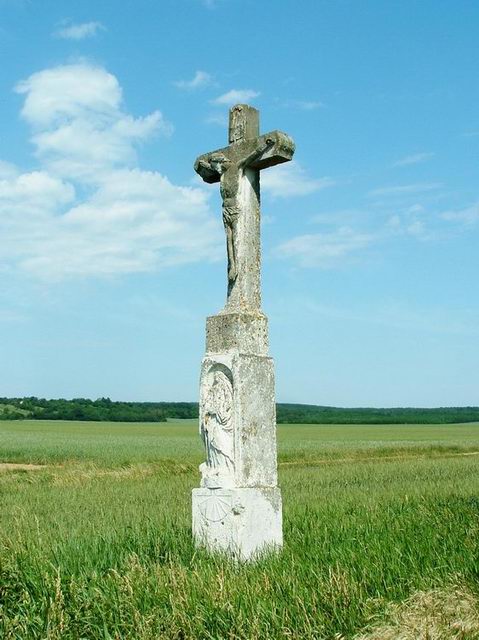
(230, 219)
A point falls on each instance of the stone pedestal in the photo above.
(242, 522)
(238, 507)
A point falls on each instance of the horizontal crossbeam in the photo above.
(281, 151)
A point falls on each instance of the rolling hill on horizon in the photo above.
(106, 410)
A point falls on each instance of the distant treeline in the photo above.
(102, 409)
(107, 410)
(313, 414)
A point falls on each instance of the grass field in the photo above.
(381, 528)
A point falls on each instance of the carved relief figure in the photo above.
(216, 427)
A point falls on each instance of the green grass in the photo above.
(98, 543)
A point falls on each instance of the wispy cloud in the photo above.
(324, 250)
(347, 235)
(211, 4)
(303, 105)
(399, 314)
(236, 96)
(7, 170)
(342, 217)
(467, 216)
(414, 209)
(11, 316)
(290, 179)
(89, 209)
(79, 31)
(404, 189)
(416, 228)
(220, 119)
(309, 105)
(200, 79)
(415, 158)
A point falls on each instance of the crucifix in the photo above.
(237, 507)
(237, 168)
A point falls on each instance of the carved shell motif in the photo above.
(215, 508)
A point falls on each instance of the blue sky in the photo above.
(112, 250)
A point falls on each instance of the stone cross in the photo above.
(237, 168)
(237, 508)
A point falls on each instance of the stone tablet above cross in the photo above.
(237, 168)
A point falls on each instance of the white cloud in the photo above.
(236, 96)
(467, 216)
(414, 209)
(200, 79)
(416, 228)
(405, 189)
(347, 234)
(408, 221)
(309, 105)
(325, 250)
(135, 221)
(343, 241)
(7, 170)
(394, 222)
(79, 127)
(36, 189)
(69, 91)
(79, 31)
(90, 210)
(304, 105)
(413, 159)
(290, 179)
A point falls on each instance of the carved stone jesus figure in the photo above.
(216, 428)
(230, 176)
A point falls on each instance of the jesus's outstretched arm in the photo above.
(269, 142)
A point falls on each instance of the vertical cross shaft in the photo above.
(244, 293)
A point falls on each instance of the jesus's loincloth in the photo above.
(230, 215)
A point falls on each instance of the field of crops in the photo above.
(381, 528)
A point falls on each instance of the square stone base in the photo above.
(243, 522)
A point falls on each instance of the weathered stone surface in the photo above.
(242, 522)
(243, 123)
(282, 150)
(242, 420)
(245, 332)
(238, 508)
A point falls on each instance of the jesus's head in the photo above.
(219, 162)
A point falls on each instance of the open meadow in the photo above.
(381, 527)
